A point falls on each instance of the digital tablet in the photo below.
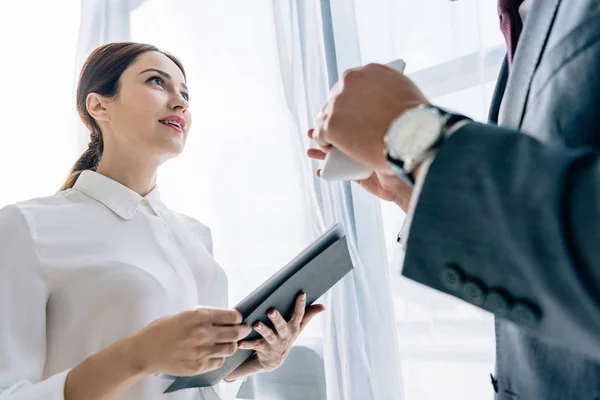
(314, 271)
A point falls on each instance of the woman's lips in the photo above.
(174, 127)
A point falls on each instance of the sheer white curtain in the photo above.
(361, 355)
(101, 21)
(37, 44)
(453, 51)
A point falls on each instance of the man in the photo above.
(506, 218)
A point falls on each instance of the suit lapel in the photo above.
(499, 92)
(527, 57)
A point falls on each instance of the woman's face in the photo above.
(149, 116)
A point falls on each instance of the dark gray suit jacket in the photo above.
(510, 222)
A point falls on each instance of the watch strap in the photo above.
(397, 167)
(453, 118)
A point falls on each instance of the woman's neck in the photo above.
(137, 176)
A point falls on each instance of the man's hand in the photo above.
(361, 107)
(386, 186)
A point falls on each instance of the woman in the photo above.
(99, 284)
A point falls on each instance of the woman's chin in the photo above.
(167, 152)
(173, 145)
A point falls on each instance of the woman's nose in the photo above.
(179, 107)
(178, 103)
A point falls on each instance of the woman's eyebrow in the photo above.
(163, 73)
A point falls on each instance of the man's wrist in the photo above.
(449, 132)
(415, 173)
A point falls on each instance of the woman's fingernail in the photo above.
(242, 346)
(272, 314)
(303, 297)
(259, 327)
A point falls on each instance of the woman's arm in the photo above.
(23, 294)
(184, 344)
(107, 374)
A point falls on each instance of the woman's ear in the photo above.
(96, 106)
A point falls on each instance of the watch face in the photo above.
(414, 132)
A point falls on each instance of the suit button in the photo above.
(497, 303)
(473, 293)
(524, 314)
(451, 278)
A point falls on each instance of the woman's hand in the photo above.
(387, 186)
(189, 343)
(273, 348)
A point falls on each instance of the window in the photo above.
(37, 149)
(453, 51)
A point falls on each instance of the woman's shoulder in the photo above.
(17, 219)
(57, 199)
(25, 210)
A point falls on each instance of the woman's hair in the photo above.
(100, 74)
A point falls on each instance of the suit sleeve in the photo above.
(512, 225)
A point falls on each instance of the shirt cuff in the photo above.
(402, 237)
(414, 199)
(52, 388)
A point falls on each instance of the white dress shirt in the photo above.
(88, 266)
(424, 168)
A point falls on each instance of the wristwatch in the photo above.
(415, 134)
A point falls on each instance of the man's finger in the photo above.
(316, 154)
(318, 137)
(316, 132)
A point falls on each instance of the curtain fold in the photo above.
(101, 22)
(360, 350)
(453, 51)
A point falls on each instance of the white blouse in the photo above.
(88, 266)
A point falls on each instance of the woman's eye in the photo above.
(157, 80)
(186, 96)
